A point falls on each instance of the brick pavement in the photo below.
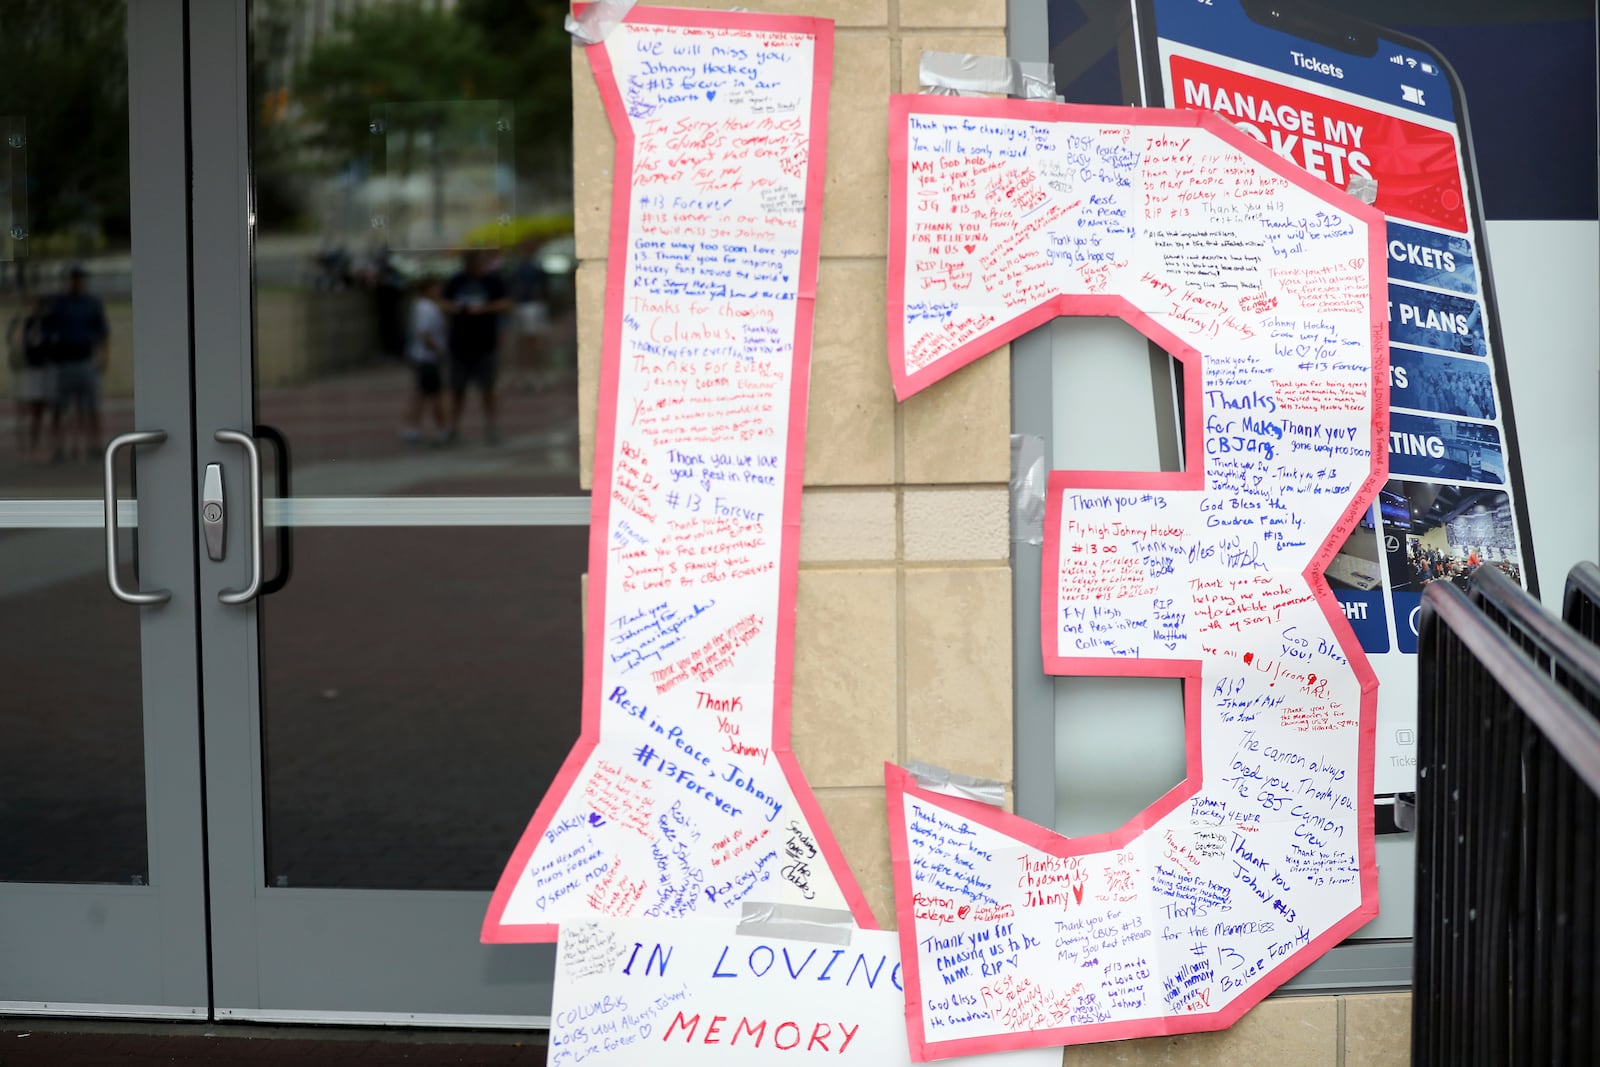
(351, 417)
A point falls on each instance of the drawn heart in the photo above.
(711, 94)
(596, 819)
(969, 248)
(1248, 656)
(963, 911)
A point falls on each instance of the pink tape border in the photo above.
(495, 930)
(899, 784)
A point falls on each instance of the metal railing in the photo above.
(1507, 929)
(1580, 606)
(1553, 645)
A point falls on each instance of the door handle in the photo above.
(214, 513)
(253, 454)
(285, 530)
(118, 443)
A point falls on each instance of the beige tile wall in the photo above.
(903, 637)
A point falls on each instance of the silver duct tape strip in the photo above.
(1363, 188)
(1028, 478)
(796, 922)
(939, 780)
(598, 20)
(961, 74)
(1039, 82)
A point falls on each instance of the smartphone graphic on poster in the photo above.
(1357, 104)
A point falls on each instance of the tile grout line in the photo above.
(1338, 1033)
(901, 727)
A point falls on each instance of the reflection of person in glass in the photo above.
(530, 290)
(78, 323)
(30, 344)
(474, 298)
(427, 347)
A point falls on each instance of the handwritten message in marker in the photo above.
(694, 992)
(1267, 285)
(682, 796)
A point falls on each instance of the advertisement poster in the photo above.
(1265, 284)
(1389, 109)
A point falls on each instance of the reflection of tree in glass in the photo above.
(537, 55)
(64, 72)
(405, 53)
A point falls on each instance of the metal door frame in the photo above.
(73, 949)
(295, 954)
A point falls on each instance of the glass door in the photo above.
(383, 301)
(102, 902)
